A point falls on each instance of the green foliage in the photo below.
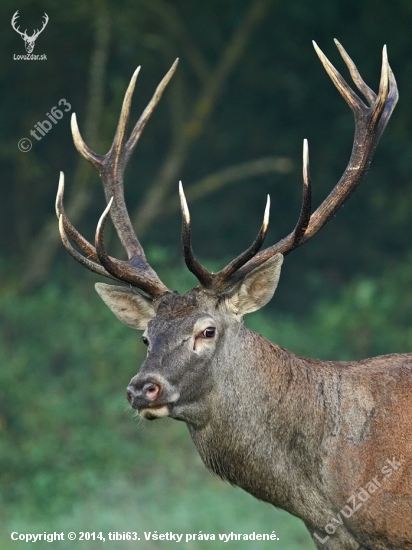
(71, 455)
(188, 504)
(62, 378)
(369, 317)
(68, 440)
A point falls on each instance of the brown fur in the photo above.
(302, 434)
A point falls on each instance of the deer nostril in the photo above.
(140, 394)
(151, 391)
(129, 396)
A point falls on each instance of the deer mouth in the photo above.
(154, 412)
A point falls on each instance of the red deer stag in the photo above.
(329, 442)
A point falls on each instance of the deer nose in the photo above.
(148, 392)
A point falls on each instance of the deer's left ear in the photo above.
(256, 289)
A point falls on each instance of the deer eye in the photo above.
(209, 332)
(145, 341)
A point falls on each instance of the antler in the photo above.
(136, 271)
(370, 121)
(36, 33)
(13, 24)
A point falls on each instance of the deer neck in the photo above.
(268, 422)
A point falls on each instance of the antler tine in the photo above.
(94, 159)
(118, 157)
(306, 209)
(69, 228)
(383, 86)
(111, 268)
(141, 123)
(143, 277)
(370, 121)
(388, 93)
(112, 171)
(120, 135)
(293, 240)
(201, 273)
(351, 98)
(221, 280)
(96, 268)
(368, 93)
(224, 277)
(391, 102)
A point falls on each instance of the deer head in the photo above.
(29, 41)
(188, 336)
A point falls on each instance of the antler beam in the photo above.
(111, 166)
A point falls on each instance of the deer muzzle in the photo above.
(151, 395)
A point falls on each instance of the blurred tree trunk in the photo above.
(44, 246)
(187, 129)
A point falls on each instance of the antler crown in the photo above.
(370, 121)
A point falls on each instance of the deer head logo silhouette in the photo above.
(29, 41)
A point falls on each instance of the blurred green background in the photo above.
(248, 89)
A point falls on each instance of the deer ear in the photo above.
(257, 288)
(132, 308)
